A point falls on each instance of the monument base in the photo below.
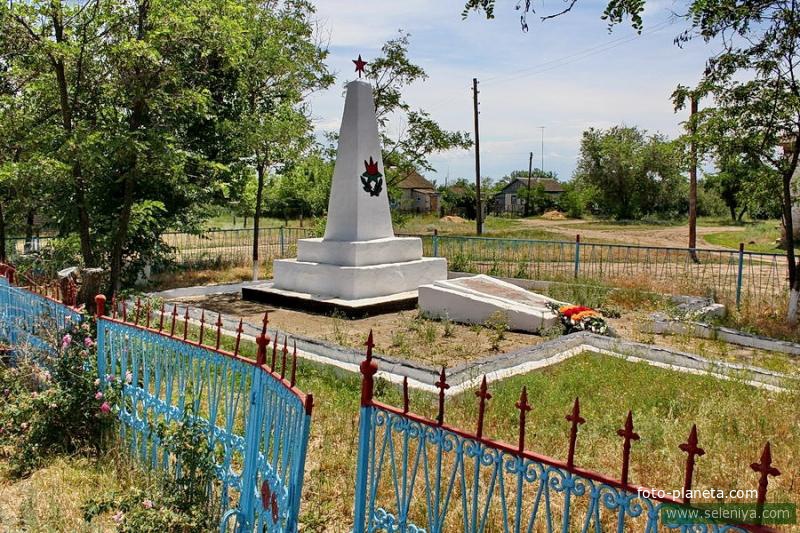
(360, 253)
(356, 282)
(353, 309)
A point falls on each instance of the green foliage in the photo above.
(389, 74)
(175, 502)
(53, 402)
(626, 174)
(458, 199)
(498, 327)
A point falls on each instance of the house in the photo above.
(511, 199)
(418, 195)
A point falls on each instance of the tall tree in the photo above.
(628, 174)
(407, 148)
(282, 63)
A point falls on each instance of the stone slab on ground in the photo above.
(473, 300)
(350, 308)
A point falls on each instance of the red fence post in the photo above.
(523, 407)
(576, 419)
(99, 305)
(628, 435)
(484, 395)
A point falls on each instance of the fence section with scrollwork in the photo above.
(24, 313)
(257, 420)
(420, 475)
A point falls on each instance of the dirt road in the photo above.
(670, 236)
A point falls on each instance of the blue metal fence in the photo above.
(258, 421)
(23, 314)
(420, 475)
(736, 275)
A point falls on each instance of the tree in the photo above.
(282, 64)
(753, 82)
(420, 135)
(627, 174)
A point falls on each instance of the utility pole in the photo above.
(479, 215)
(542, 167)
(528, 198)
(693, 182)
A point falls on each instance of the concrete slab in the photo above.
(356, 282)
(473, 300)
(360, 253)
(315, 303)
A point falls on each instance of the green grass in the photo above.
(665, 405)
(757, 237)
(733, 420)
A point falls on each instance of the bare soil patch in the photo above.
(405, 334)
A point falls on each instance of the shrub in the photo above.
(176, 502)
(53, 402)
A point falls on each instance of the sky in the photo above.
(567, 74)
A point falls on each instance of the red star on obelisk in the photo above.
(360, 64)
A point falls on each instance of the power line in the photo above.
(577, 56)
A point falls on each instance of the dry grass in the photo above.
(51, 499)
(192, 278)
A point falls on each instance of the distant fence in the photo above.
(416, 474)
(233, 247)
(205, 250)
(737, 276)
(256, 419)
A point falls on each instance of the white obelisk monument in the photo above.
(359, 263)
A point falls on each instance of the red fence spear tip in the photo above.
(161, 319)
(628, 435)
(202, 325)
(124, 311)
(264, 323)
(274, 353)
(442, 386)
(405, 394)
(369, 344)
(283, 358)
(484, 395)
(576, 419)
(523, 407)
(238, 338)
(294, 365)
(186, 323)
(690, 447)
(137, 310)
(219, 331)
(368, 369)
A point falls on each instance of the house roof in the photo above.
(414, 180)
(549, 185)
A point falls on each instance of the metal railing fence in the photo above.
(733, 275)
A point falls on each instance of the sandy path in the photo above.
(669, 236)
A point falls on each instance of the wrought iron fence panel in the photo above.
(257, 422)
(24, 314)
(419, 475)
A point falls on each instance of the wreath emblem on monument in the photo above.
(372, 180)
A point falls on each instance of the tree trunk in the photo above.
(29, 231)
(66, 120)
(257, 218)
(794, 283)
(138, 121)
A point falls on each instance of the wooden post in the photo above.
(479, 214)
